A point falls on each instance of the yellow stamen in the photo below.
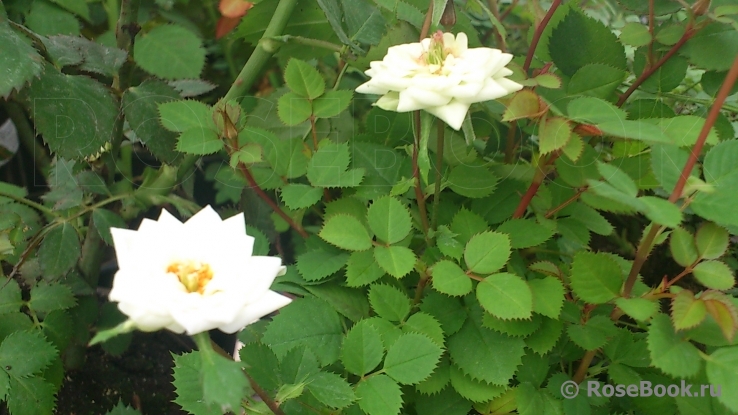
(193, 275)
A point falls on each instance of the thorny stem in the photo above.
(416, 175)
(439, 174)
(535, 184)
(538, 33)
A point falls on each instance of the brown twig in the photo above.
(534, 185)
(538, 33)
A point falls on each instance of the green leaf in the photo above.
(719, 205)
(593, 334)
(667, 162)
(299, 196)
(554, 133)
(593, 110)
(248, 154)
(618, 179)
(364, 21)
(669, 352)
(712, 241)
(170, 52)
(104, 220)
(466, 224)
(398, 261)
(46, 298)
(331, 390)
(61, 103)
(362, 349)
(722, 369)
(667, 77)
(709, 47)
(425, 324)
(47, 19)
(199, 141)
(447, 243)
(263, 363)
(140, 105)
(30, 396)
(328, 167)
(362, 269)
(525, 233)
(595, 277)
(714, 274)
(447, 402)
(719, 163)
(577, 173)
(303, 79)
(686, 311)
(183, 115)
(19, 63)
(10, 297)
(487, 252)
(524, 104)
(514, 328)
(506, 296)
(545, 338)
(285, 156)
(472, 181)
(309, 322)
(59, 251)
(548, 296)
(447, 310)
(450, 279)
(683, 248)
(635, 130)
(346, 232)
(411, 358)
(389, 219)
(88, 55)
(350, 302)
(316, 265)
(58, 328)
(382, 165)
(188, 385)
(389, 302)
(379, 395)
(223, 380)
(332, 103)
(662, 211)
(684, 129)
(594, 41)
(24, 353)
(635, 34)
(437, 380)
(297, 366)
(474, 390)
(293, 109)
(121, 409)
(640, 309)
(484, 354)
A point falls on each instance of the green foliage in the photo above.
(170, 52)
(411, 358)
(20, 61)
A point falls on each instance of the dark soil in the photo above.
(141, 377)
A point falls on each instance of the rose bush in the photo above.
(441, 75)
(193, 276)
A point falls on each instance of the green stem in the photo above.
(309, 42)
(439, 174)
(29, 203)
(202, 340)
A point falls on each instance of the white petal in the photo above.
(418, 98)
(389, 101)
(268, 303)
(452, 114)
(370, 87)
(510, 86)
(465, 90)
(124, 241)
(490, 90)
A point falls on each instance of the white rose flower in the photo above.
(193, 276)
(440, 75)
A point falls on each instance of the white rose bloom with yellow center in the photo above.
(193, 276)
(440, 75)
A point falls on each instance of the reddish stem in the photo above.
(538, 33)
(535, 184)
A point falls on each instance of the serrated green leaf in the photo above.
(411, 358)
(57, 327)
(191, 87)
(59, 250)
(577, 173)
(10, 297)
(448, 244)
(285, 156)
(379, 395)
(595, 277)
(545, 338)
(309, 322)
(593, 334)
(682, 246)
(635, 34)
(346, 232)
(711, 240)
(450, 279)
(714, 274)
(466, 224)
(362, 269)
(332, 103)
(188, 385)
(293, 109)
(708, 48)
(669, 352)
(140, 105)
(170, 52)
(472, 181)
(447, 402)
(362, 349)
(30, 396)
(473, 390)
(525, 233)
(263, 364)
(331, 390)
(484, 354)
(554, 133)
(183, 115)
(383, 166)
(447, 310)
(299, 196)
(224, 383)
(46, 298)
(303, 79)
(316, 265)
(328, 166)
(104, 220)
(684, 129)
(86, 54)
(514, 328)
(548, 296)
(437, 380)
(640, 309)
(350, 302)
(122, 409)
(594, 110)
(722, 369)
(248, 155)
(686, 311)
(398, 261)
(15, 358)
(600, 46)
(48, 19)
(389, 219)
(506, 296)
(297, 366)
(635, 130)
(618, 179)
(19, 62)
(425, 324)
(199, 141)
(388, 302)
(524, 104)
(534, 369)
(662, 211)
(487, 252)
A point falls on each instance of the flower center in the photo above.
(436, 51)
(193, 275)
